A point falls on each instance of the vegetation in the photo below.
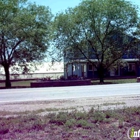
(96, 29)
(26, 83)
(115, 81)
(94, 124)
(24, 34)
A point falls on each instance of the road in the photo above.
(35, 94)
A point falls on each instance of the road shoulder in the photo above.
(45, 107)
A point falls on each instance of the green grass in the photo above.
(116, 81)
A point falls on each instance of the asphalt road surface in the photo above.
(50, 93)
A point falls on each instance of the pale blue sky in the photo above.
(60, 5)
(57, 5)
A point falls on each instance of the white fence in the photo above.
(53, 75)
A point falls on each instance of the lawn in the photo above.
(74, 125)
(116, 81)
(25, 83)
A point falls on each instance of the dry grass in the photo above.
(75, 125)
(25, 83)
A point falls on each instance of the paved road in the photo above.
(33, 94)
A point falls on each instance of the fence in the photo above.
(53, 75)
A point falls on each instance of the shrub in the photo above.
(80, 115)
(98, 117)
(83, 123)
(70, 123)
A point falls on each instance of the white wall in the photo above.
(44, 70)
(34, 76)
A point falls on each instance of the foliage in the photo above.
(96, 29)
(70, 123)
(24, 34)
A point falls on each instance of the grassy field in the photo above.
(75, 125)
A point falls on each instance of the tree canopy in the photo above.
(24, 33)
(98, 29)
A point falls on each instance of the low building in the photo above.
(78, 66)
(83, 68)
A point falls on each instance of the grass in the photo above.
(119, 81)
(116, 81)
(94, 124)
(21, 83)
(109, 104)
(26, 83)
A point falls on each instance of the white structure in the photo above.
(44, 70)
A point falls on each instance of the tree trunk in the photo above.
(101, 74)
(7, 75)
(101, 79)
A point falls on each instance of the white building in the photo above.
(43, 70)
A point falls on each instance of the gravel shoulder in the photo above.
(70, 104)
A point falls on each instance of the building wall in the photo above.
(85, 70)
(33, 76)
(77, 69)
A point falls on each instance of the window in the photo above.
(132, 67)
(90, 67)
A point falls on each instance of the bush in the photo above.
(98, 117)
(83, 123)
(70, 123)
(62, 77)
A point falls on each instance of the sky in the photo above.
(57, 5)
(61, 5)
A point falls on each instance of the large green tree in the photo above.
(98, 29)
(24, 34)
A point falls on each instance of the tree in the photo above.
(98, 29)
(24, 34)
